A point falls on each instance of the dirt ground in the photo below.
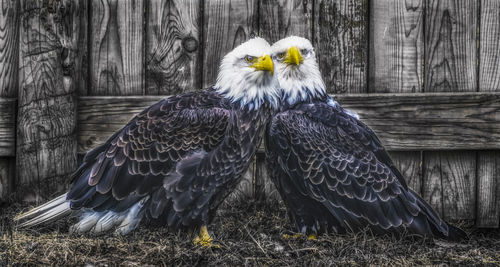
(248, 233)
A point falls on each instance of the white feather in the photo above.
(86, 222)
(133, 218)
(108, 221)
(52, 214)
(35, 211)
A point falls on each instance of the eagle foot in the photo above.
(204, 239)
(298, 235)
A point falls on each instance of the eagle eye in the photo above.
(250, 59)
(304, 52)
(281, 55)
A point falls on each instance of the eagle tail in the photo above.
(439, 227)
(48, 212)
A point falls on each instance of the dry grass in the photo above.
(249, 234)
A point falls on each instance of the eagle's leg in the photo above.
(299, 235)
(204, 239)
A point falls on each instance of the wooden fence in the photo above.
(424, 74)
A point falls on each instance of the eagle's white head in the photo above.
(297, 70)
(246, 75)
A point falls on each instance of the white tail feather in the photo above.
(36, 211)
(133, 218)
(87, 221)
(52, 214)
(107, 221)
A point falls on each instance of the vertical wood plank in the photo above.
(46, 136)
(488, 189)
(396, 46)
(449, 183)
(173, 48)
(396, 56)
(9, 65)
(226, 24)
(117, 47)
(449, 66)
(409, 163)
(279, 19)
(9, 47)
(488, 183)
(340, 39)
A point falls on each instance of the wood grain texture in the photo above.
(117, 47)
(46, 136)
(226, 24)
(450, 183)
(173, 47)
(409, 163)
(9, 47)
(396, 57)
(7, 127)
(450, 66)
(340, 39)
(450, 46)
(438, 121)
(488, 189)
(279, 19)
(396, 46)
(9, 65)
(488, 183)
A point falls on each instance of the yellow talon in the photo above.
(203, 239)
(295, 236)
(312, 237)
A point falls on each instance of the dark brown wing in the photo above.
(135, 160)
(321, 153)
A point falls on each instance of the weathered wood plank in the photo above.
(450, 183)
(488, 189)
(117, 47)
(396, 46)
(46, 124)
(73, 37)
(340, 39)
(450, 46)
(488, 183)
(450, 66)
(173, 50)
(279, 19)
(7, 172)
(396, 56)
(9, 65)
(437, 121)
(9, 47)
(227, 23)
(409, 163)
(7, 126)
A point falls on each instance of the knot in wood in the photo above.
(190, 44)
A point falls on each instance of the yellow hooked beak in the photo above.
(293, 56)
(264, 63)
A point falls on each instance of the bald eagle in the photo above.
(176, 161)
(331, 170)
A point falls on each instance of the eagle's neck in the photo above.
(301, 85)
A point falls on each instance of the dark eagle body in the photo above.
(174, 163)
(334, 175)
